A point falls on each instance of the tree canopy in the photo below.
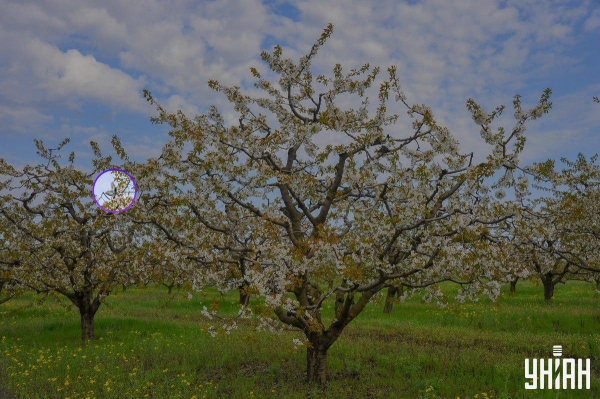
(373, 207)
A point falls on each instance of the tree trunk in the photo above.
(170, 287)
(87, 324)
(548, 291)
(320, 339)
(316, 364)
(87, 310)
(389, 299)
(598, 284)
(124, 287)
(243, 290)
(244, 298)
(548, 287)
(513, 286)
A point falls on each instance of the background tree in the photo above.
(557, 232)
(375, 209)
(575, 201)
(513, 285)
(66, 244)
(536, 241)
(163, 267)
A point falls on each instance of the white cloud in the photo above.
(71, 76)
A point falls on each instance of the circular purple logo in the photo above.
(114, 190)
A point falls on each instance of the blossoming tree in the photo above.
(557, 233)
(65, 243)
(340, 204)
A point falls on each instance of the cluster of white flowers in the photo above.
(493, 289)
(536, 112)
(519, 114)
(463, 220)
(229, 327)
(481, 117)
(269, 324)
(245, 312)
(486, 134)
(208, 314)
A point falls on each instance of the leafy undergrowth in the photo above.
(153, 345)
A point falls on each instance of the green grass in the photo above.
(150, 344)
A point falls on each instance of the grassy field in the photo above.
(152, 345)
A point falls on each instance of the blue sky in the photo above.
(76, 68)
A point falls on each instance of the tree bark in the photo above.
(243, 290)
(513, 286)
(244, 298)
(87, 310)
(389, 299)
(170, 287)
(598, 284)
(87, 324)
(316, 362)
(548, 287)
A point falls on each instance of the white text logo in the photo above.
(566, 373)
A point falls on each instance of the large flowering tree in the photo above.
(335, 203)
(557, 233)
(60, 239)
(535, 246)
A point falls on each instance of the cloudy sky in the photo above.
(76, 68)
